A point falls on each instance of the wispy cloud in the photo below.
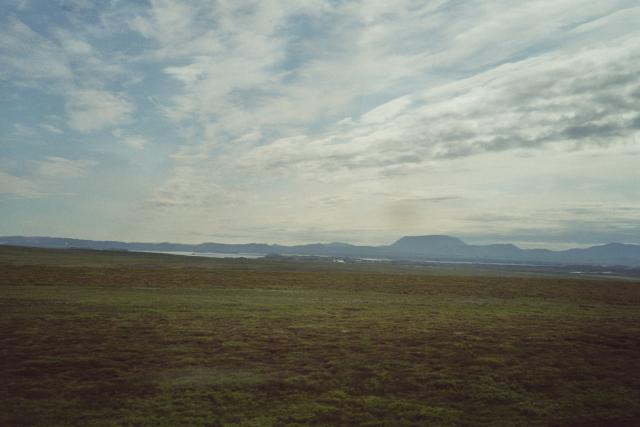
(291, 117)
(528, 104)
(91, 110)
(29, 58)
(62, 63)
(51, 128)
(136, 141)
(55, 167)
(16, 186)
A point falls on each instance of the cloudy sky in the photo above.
(321, 120)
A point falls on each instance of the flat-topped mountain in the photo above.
(428, 244)
(417, 248)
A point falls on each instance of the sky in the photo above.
(321, 120)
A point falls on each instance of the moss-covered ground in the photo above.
(103, 339)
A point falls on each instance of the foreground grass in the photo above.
(113, 339)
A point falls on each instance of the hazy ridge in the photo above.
(432, 247)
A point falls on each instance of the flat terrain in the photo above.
(90, 338)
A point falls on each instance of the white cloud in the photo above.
(13, 185)
(51, 128)
(91, 110)
(28, 57)
(72, 45)
(136, 141)
(419, 85)
(364, 119)
(60, 167)
(62, 63)
(22, 130)
(191, 188)
(538, 101)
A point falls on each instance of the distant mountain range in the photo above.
(410, 248)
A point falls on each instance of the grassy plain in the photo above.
(90, 338)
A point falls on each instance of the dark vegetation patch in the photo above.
(156, 340)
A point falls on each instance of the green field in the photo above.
(89, 338)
